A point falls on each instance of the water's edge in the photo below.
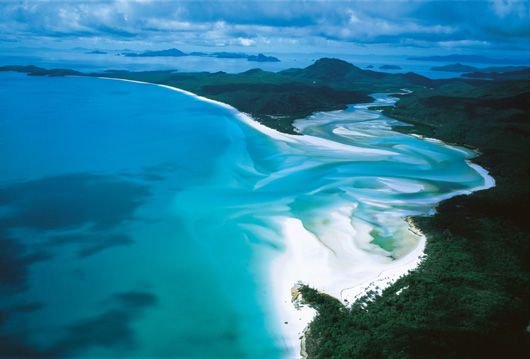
(293, 229)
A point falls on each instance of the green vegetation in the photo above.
(500, 74)
(471, 296)
(38, 71)
(458, 67)
(275, 99)
(489, 73)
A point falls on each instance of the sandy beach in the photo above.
(338, 257)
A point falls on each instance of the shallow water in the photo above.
(140, 221)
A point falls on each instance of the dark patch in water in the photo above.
(152, 177)
(108, 242)
(162, 167)
(112, 328)
(8, 313)
(92, 243)
(70, 201)
(159, 172)
(66, 202)
(12, 346)
(28, 307)
(15, 261)
(135, 299)
(16, 345)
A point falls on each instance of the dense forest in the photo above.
(471, 296)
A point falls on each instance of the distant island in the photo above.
(221, 55)
(458, 67)
(495, 72)
(168, 52)
(463, 58)
(262, 58)
(389, 67)
(96, 52)
(519, 74)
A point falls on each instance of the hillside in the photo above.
(275, 99)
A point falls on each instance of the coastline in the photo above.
(298, 258)
(477, 243)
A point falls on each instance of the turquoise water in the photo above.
(140, 221)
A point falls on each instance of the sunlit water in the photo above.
(140, 221)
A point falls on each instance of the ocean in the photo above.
(139, 221)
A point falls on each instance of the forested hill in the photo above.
(276, 99)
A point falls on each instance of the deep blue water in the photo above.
(140, 221)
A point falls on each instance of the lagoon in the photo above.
(141, 221)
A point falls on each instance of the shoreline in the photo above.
(289, 310)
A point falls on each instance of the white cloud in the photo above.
(247, 23)
(504, 8)
(245, 41)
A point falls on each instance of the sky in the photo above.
(479, 26)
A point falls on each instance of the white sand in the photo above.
(341, 262)
(336, 256)
(489, 181)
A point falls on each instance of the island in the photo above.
(168, 52)
(469, 295)
(513, 73)
(262, 58)
(497, 72)
(96, 52)
(221, 55)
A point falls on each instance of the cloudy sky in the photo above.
(271, 25)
